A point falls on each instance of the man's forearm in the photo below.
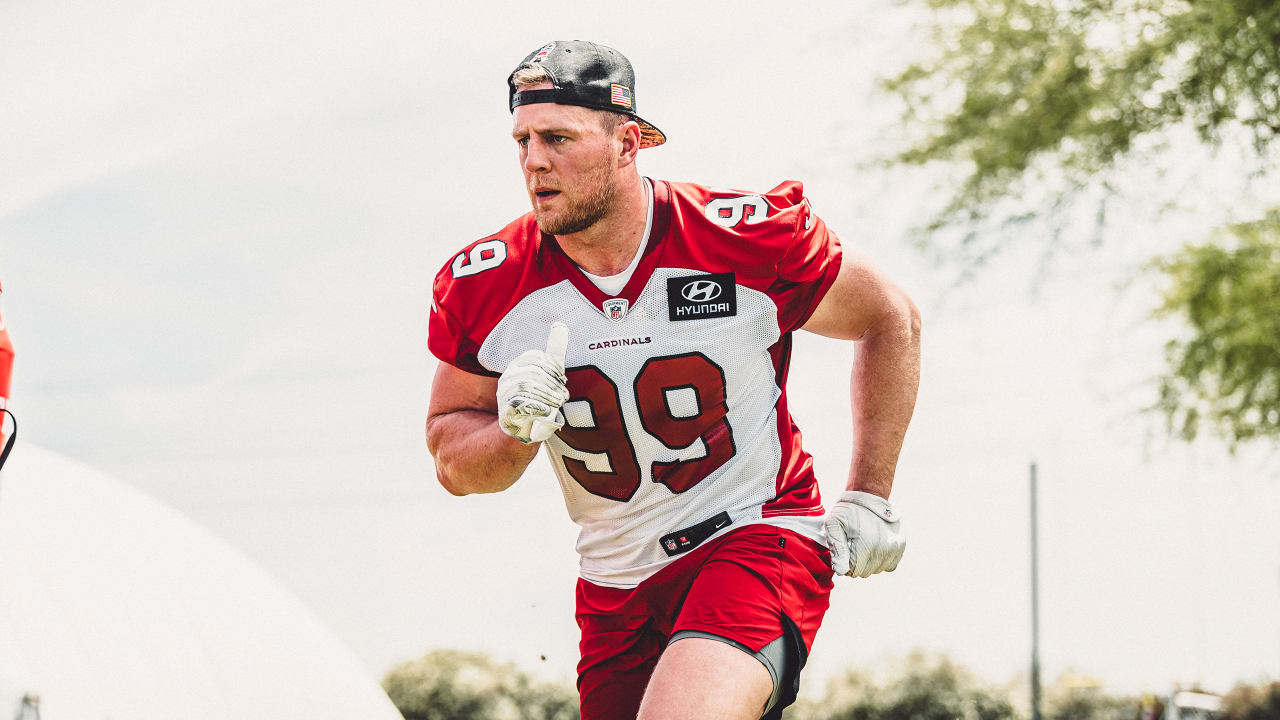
(473, 455)
(886, 375)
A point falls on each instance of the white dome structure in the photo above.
(113, 606)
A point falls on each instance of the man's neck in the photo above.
(607, 247)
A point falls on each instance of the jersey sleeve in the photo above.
(809, 263)
(448, 341)
(477, 288)
(448, 338)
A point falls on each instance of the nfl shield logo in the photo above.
(671, 544)
(542, 52)
(614, 309)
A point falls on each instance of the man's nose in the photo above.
(535, 157)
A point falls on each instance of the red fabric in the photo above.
(6, 362)
(464, 309)
(736, 586)
(791, 256)
(797, 485)
(6, 370)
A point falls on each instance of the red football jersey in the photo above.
(678, 406)
(6, 369)
(6, 365)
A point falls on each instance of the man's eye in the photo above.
(522, 142)
(558, 138)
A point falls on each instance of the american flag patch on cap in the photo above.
(620, 95)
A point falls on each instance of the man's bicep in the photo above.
(860, 295)
(454, 389)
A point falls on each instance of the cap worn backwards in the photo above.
(586, 74)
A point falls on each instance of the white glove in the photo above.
(863, 534)
(532, 390)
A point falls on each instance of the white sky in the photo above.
(218, 227)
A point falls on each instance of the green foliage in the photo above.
(926, 689)
(1252, 702)
(1062, 89)
(1226, 372)
(1090, 704)
(1059, 92)
(453, 685)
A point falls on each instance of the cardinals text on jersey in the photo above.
(678, 409)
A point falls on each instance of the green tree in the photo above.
(1225, 372)
(453, 685)
(1065, 88)
(1252, 702)
(1068, 700)
(1092, 705)
(1036, 104)
(925, 689)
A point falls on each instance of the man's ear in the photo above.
(629, 142)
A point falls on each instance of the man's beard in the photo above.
(580, 215)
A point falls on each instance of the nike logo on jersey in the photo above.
(696, 297)
(682, 541)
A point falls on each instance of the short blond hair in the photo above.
(531, 74)
(528, 75)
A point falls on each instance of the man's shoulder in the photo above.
(479, 284)
(500, 251)
(769, 217)
(785, 194)
(478, 278)
(740, 229)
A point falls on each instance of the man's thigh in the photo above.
(745, 628)
(700, 678)
(737, 587)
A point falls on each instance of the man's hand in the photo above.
(532, 390)
(864, 535)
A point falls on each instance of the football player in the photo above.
(640, 330)
(6, 370)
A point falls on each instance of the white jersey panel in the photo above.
(618, 542)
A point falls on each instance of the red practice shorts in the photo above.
(736, 586)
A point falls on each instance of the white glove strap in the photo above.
(874, 503)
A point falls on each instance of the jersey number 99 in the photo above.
(608, 435)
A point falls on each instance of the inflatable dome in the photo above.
(115, 606)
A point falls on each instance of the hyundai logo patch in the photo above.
(700, 291)
(695, 297)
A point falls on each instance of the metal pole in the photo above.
(1035, 604)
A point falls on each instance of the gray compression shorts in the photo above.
(773, 656)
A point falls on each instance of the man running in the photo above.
(640, 330)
